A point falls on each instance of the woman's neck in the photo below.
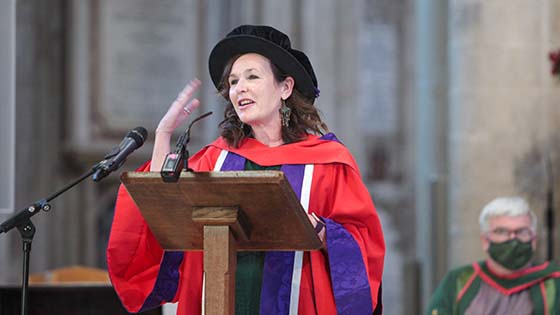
(269, 136)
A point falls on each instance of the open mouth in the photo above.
(244, 102)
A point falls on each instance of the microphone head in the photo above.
(139, 135)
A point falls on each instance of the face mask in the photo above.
(512, 254)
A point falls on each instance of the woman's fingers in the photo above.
(191, 106)
(186, 93)
(181, 108)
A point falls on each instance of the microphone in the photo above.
(176, 161)
(114, 159)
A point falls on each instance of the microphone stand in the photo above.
(22, 222)
(185, 139)
(176, 162)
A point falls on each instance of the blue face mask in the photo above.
(512, 254)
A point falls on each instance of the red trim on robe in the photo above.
(478, 270)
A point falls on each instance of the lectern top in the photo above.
(266, 202)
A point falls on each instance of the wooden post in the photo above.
(220, 263)
(220, 257)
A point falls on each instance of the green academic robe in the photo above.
(460, 286)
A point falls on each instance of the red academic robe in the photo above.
(330, 282)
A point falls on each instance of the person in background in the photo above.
(270, 123)
(506, 283)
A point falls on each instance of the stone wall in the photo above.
(7, 121)
(502, 111)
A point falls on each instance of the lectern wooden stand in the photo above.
(221, 213)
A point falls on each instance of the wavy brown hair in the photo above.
(304, 117)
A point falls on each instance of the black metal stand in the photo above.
(178, 161)
(27, 232)
(22, 222)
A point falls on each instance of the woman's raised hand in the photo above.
(180, 109)
(176, 115)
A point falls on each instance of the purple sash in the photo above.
(167, 281)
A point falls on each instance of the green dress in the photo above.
(248, 276)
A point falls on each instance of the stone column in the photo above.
(499, 109)
(329, 35)
(39, 110)
(431, 141)
(7, 122)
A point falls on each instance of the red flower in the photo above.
(555, 60)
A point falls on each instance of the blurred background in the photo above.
(444, 104)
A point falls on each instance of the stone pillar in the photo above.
(7, 122)
(330, 38)
(431, 141)
(39, 110)
(499, 109)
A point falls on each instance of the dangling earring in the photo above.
(285, 112)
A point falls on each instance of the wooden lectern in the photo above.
(221, 213)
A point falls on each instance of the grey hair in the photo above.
(508, 206)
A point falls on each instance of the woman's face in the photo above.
(255, 93)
